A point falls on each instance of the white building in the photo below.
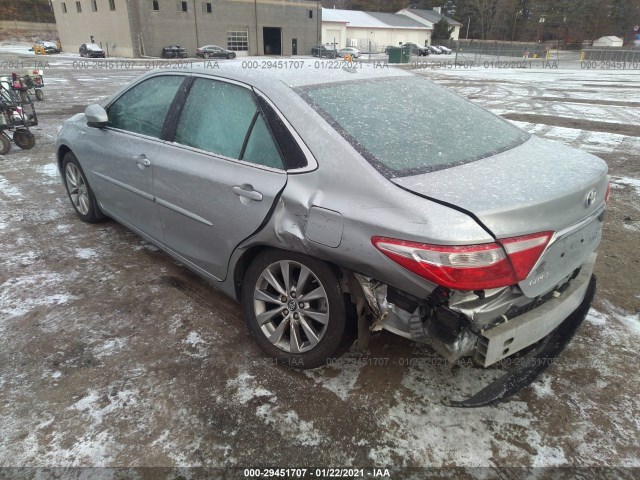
(354, 28)
(430, 17)
(608, 42)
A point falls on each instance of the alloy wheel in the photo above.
(77, 189)
(291, 306)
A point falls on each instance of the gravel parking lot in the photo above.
(112, 354)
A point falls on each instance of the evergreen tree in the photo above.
(441, 30)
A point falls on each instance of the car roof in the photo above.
(308, 75)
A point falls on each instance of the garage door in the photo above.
(333, 36)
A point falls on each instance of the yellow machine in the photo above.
(38, 49)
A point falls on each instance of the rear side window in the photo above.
(224, 119)
(144, 107)
(260, 147)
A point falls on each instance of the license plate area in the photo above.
(568, 252)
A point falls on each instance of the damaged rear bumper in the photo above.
(545, 327)
(535, 362)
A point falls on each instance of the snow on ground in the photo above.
(111, 354)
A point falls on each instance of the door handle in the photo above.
(247, 191)
(142, 160)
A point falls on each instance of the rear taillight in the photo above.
(468, 267)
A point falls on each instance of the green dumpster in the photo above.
(399, 54)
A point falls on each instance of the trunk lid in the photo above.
(538, 186)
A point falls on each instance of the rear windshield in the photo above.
(409, 125)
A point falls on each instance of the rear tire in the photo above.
(295, 309)
(24, 139)
(79, 192)
(39, 94)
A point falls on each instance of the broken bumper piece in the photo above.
(534, 362)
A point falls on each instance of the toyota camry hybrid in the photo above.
(311, 198)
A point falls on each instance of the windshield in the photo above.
(407, 126)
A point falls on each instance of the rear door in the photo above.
(217, 181)
(120, 158)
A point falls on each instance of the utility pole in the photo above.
(195, 21)
(468, 24)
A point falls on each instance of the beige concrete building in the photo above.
(138, 28)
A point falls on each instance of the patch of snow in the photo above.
(195, 342)
(85, 253)
(626, 181)
(290, 425)
(341, 383)
(9, 190)
(247, 388)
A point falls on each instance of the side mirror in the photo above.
(96, 116)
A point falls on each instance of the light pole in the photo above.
(540, 29)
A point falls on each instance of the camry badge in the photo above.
(591, 198)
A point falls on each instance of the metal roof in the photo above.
(360, 19)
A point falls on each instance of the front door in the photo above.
(216, 182)
(120, 158)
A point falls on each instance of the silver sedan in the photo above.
(324, 214)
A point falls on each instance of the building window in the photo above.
(310, 13)
(206, 8)
(64, 7)
(156, 5)
(182, 6)
(94, 5)
(79, 7)
(112, 5)
(238, 40)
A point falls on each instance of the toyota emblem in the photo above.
(591, 198)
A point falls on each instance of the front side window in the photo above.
(224, 119)
(413, 126)
(143, 108)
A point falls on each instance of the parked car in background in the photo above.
(174, 51)
(417, 49)
(324, 51)
(354, 52)
(434, 50)
(91, 50)
(480, 248)
(47, 47)
(445, 50)
(214, 51)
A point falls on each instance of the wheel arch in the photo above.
(62, 151)
(251, 253)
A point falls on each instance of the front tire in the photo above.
(79, 191)
(231, 55)
(295, 309)
(39, 94)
